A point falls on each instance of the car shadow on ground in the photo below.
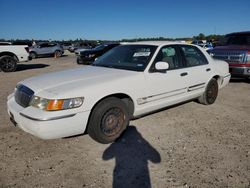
(131, 153)
(50, 56)
(22, 67)
(240, 80)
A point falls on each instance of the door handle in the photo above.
(208, 69)
(184, 74)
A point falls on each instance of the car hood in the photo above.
(73, 79)
(90, 51)
(81, 50)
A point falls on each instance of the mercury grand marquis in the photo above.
(129, 81)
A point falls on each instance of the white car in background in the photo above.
(206, 46)
(10, 55)
(129, 81)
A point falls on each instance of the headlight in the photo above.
(91, 55)
(212, 54)
(56, 104)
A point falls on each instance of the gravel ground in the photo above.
(190, 145)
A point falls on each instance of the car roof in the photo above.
(239, 33)
(155, 43)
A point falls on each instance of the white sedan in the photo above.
(129, 81)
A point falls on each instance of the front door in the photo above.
(168, 87)
(43, 49)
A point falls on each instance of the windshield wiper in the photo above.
(98, 65)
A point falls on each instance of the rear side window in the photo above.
(193, 56)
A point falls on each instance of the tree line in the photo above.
(201, 36)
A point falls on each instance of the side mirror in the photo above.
(161, 66)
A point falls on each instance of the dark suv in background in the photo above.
(236, 51)
(88, 56)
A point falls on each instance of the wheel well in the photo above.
(219, 79)
(9, 54)
(125, 98)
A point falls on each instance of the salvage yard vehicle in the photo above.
(46, 49)
(236, 51)
(128, 81)
(207, 47)
(88, 56)
(10, 55)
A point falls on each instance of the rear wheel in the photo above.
(210, 94)
(8, 63)
(33, 55)
(58, 53)
(108, 120)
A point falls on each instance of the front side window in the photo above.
(169, 54)
(193, 56)
(51, 45)
(44, 45)
(128, 57)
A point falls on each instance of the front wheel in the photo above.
(108, 120)
(210, 94)
(33, 55)
(8, 63)
(58, 53)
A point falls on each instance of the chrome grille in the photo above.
(230, 56)
(23, 95)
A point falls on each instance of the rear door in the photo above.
(197, 69)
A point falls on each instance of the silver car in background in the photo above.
(46, 49)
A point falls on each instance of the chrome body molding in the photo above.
(47, 119)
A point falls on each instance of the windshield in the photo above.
(100, 47)
(238, 40)
(128, 57)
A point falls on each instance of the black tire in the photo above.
(58, 53)
(33, 55)
(108, 120)
(79, 61)
(8, 63)
(210, 94)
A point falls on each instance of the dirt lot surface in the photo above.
(190, 145)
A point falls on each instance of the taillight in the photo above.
(27, 49)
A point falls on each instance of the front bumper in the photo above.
(239, 71)
(84, 61)
(44, 125)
